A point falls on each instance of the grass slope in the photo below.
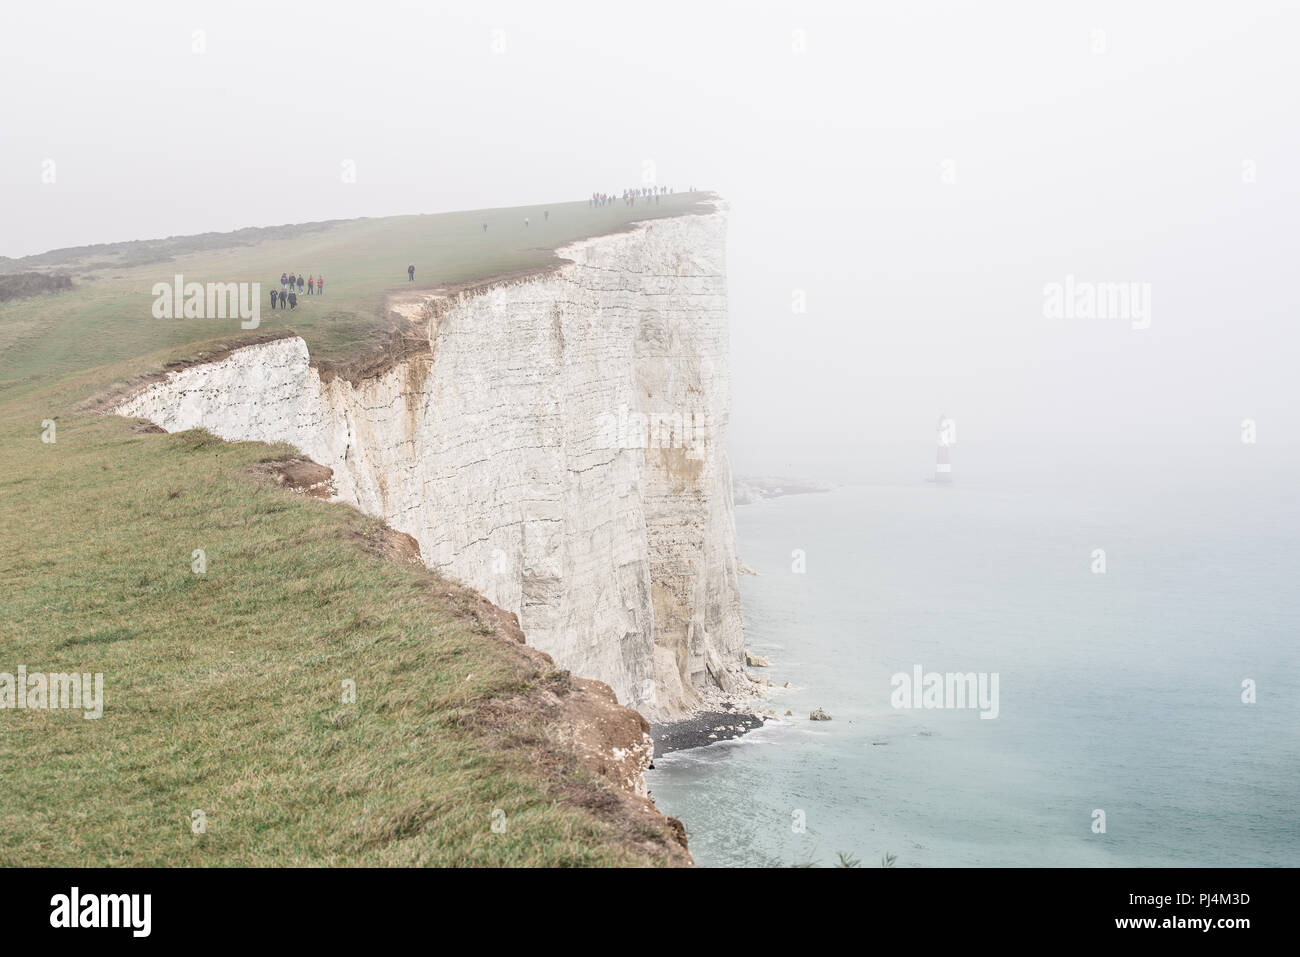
(224, 690)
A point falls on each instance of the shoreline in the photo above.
(703, 729)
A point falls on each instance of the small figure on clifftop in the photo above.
(410, 274)
(485, 227)
(293, 301)
(300, 283)
(273, 295)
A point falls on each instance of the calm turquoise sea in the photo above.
(1118, 692)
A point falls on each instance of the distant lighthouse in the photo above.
(943, 462)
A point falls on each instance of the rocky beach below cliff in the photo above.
(708, 727)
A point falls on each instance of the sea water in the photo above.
(1125, 734)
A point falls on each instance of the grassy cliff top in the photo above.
(224, 687)
(106, 316)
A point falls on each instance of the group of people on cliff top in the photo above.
(650, 194)
(291, 285)
(315, 284)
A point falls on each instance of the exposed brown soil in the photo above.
(300, 474)
(586, 731)
(401, 346)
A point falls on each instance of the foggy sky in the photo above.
(918, 170)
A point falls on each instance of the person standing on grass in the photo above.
(320, 285)
(284, 280)
(273, 295)
(293, 301)
(300, 284)
(410, 273)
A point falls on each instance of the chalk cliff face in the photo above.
(556, 441)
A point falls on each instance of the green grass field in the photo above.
(224, 689)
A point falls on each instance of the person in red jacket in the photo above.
(320, 285)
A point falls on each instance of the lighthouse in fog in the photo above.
(943, 462)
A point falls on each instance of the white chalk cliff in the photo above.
(558, 444)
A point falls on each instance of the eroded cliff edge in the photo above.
(556, 441)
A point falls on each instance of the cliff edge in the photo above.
(555, 440)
